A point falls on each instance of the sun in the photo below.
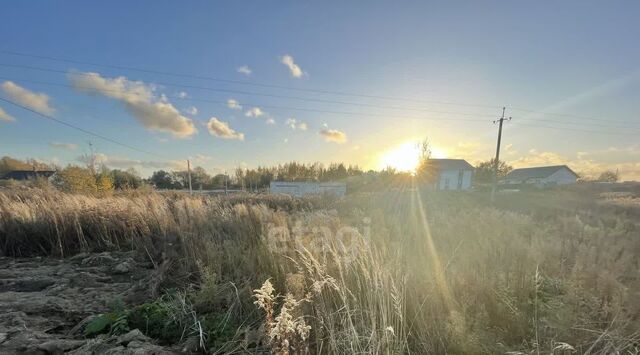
(403, 158)
(406, 157)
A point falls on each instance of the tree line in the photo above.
(91, 178)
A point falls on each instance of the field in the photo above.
(404, 271)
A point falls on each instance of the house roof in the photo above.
(27, 174)
(451, 164)
(540, 172)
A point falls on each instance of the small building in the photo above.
(452, 174)
(541, 176)
(23, 175)
(300, 189)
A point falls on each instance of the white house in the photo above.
(452, 174)
(541, 176)
(299, 189)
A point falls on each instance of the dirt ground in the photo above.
(44, 303)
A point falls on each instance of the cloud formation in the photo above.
(294, 69)
(333, 135)
(5, 116)
(67, 146)
(126, 163)
(295, 124)
(254, 112)
(38, 102)
(192, 110)
(234, 104)
(153, 113)
(221, 129)
(244, 70)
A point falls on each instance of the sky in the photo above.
(249, 83)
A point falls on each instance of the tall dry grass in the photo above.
(414, 273)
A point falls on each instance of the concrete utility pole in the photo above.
(189, 175)
(496, 162)
(225, 182)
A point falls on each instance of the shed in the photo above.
(452, 174)
(542, 176)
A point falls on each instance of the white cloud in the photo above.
(294, 69)
(126, 163)
(139, 100)
(38, 102)
(295, 124)
(270, 120)
(234, 104)
(5, 116)
(192, 110)
(221, 129)
(254, 112)
(183, 95)
(333, 135)
(291, 122)
(244, 70)
(67, 146)
(201, 158)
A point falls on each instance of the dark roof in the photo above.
(451, 164)
(540, 172)
(27, 174)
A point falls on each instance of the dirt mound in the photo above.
(45, 302)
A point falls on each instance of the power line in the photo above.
(49, 117)
(577, 129)
(186, 86)
(567, 115)
(240, 82)
(360, 114)
(608, 122)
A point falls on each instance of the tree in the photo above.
(76, 179)
(484, 171)
(125, 179)
(9, 164)
(104, 183)
(426, 171)
(608, 176)
(164, 180)
(218, 181)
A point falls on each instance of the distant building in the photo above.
(27, 174)
(299, 189)
(452, 174)
(541, 176)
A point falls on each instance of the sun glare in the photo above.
(406, 157)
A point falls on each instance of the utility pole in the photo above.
(496, 162)
(189, 176)
(225, 182)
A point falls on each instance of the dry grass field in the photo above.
(389, 272)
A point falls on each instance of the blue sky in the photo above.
(578, 58)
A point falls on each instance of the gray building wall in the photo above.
(300, 189)
(454, 180)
